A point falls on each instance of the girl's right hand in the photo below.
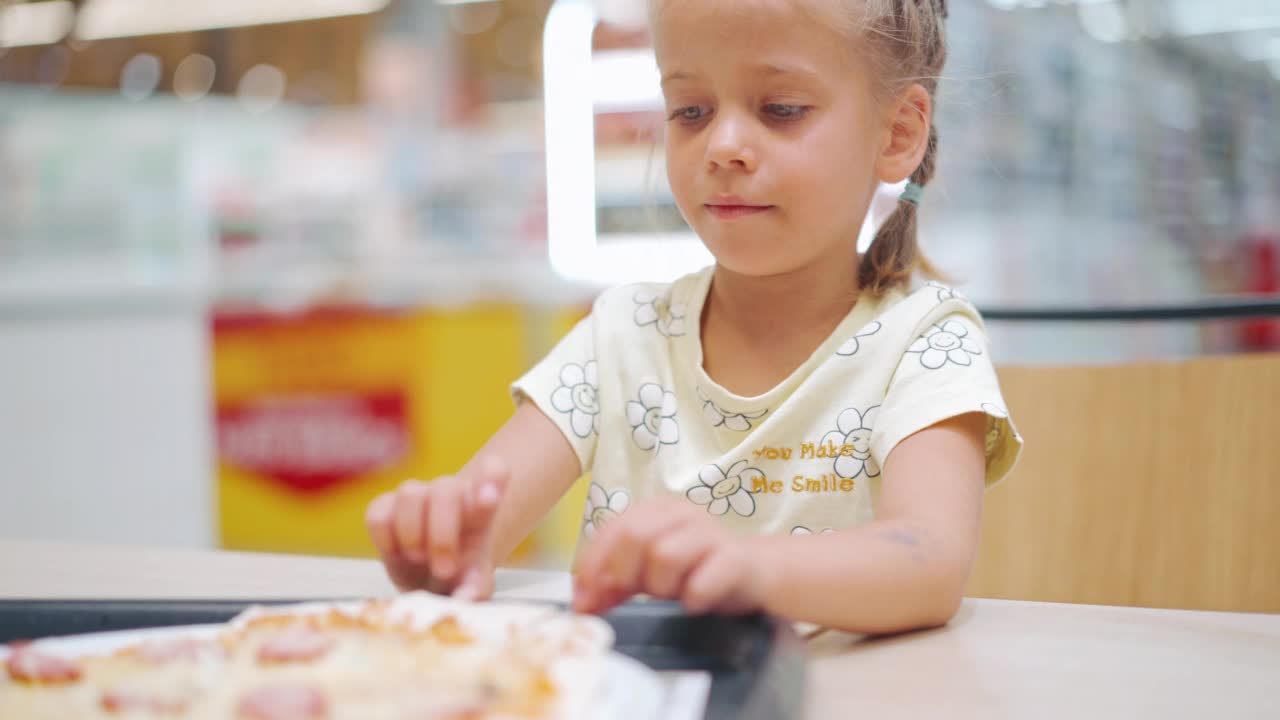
(437, 536)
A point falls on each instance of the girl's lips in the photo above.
(734, 212)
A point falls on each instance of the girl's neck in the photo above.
(756, 331)
(813, 297)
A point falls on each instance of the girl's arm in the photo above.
(905, 570)
(542, 468)
(908, 568)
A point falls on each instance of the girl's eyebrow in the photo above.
(761, 69)
(771, 69)
(676, 76)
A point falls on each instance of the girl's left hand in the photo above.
(671, 550)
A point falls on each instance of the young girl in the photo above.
(792, 430)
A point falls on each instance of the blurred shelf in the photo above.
(116, 288)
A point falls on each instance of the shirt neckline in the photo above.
(863, 311)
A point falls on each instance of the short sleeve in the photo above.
(945, 372)
(564, 385)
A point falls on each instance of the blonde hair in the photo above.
(907, 39)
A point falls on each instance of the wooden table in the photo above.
(997, 659)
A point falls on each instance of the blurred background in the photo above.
(263, 259)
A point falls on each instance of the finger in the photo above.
(602, 601)
(410, 513)
(477, 584)
(378, 519)
(613, 564)
(596, 597)
(591, 579)
(406, 575)
(673, 557)
(591, 584)
(711, 584)
(485, 493)
(598, 553)
(625, 565)
(443, 521)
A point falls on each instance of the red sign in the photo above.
(311, 443)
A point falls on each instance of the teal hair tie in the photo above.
(913, 194)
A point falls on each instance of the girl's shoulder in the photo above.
(667, 308)
(916, 311)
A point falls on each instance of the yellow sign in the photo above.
(319, 412)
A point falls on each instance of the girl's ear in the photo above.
(905, 136)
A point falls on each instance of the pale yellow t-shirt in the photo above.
(627, 388)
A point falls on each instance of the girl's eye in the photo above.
(778, 111)
(692, 113)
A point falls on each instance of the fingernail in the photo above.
(466, 593)
(417, 557)
(488, 494)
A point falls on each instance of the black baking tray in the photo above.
(756, 662)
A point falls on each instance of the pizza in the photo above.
(415, 657)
